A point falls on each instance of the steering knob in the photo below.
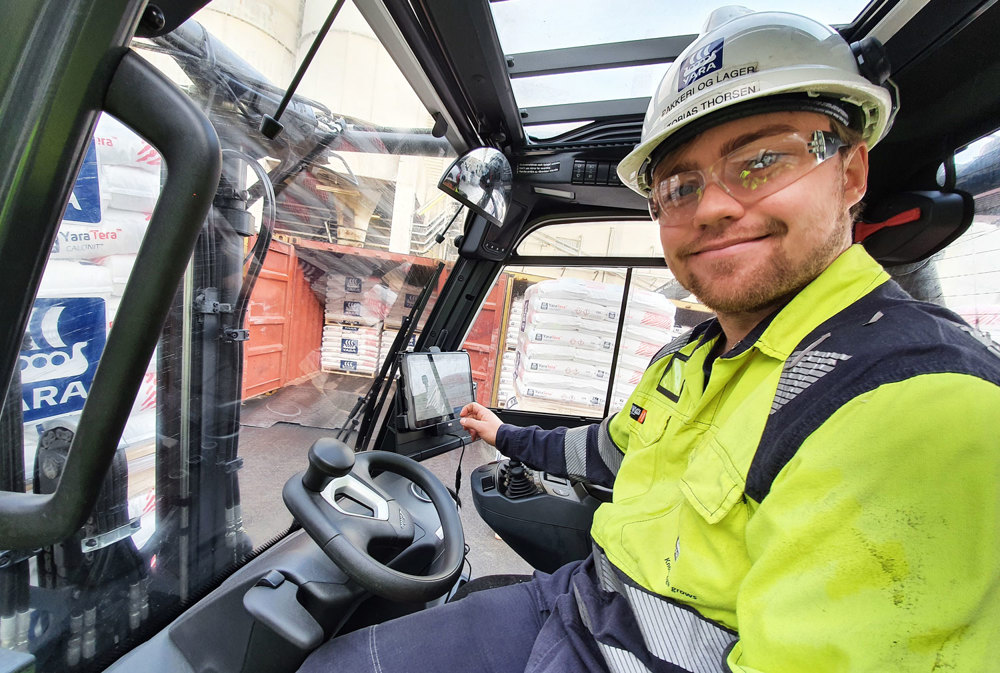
(328, 459)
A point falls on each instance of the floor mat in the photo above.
(323, 401)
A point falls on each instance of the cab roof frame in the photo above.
(938, 48)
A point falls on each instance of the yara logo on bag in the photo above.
(63, 346)
(54, 365)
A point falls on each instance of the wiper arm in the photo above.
(367, 406)
(270, 126)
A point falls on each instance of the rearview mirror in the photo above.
(481, 179)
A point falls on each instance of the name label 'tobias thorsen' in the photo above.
(742, 91)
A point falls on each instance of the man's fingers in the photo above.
(479, 429)
(470, 424)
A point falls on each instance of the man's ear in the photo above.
(855, 174)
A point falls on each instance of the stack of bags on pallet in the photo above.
(649, 324)
(112, 200)
(355, 308)
(388, 337)
(567, 341)
(349, 348)
(406, 299)
(505, 386)
(92, 256)
(357, 300)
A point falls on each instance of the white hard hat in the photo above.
(746, 63)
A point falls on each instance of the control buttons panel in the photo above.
(557, 485)
(595, 173)
(493, 475)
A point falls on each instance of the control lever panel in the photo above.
(544, 518)
(515, 480)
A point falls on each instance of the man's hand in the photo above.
(481, 422)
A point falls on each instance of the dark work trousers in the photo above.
(530, 627)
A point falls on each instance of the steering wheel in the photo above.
(345, 537)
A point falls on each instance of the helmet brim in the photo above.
(868, 103)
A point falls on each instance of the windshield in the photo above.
(319, 244)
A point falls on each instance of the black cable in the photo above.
(264, 236)
(458, 470)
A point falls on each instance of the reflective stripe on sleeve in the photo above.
(610, 453)
(575, 450)
(671, 633)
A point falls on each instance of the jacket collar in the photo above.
(851, 276)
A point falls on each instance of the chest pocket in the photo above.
(650, 430)
(711, 483)
(643, 459)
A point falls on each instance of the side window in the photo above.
(968, 270)
(58, 598)
(560, 339)
(569, 339)
(89, 264)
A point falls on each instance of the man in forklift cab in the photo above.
(807, 482)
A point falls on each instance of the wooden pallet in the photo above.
(364, 375)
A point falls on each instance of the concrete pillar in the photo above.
(264, 33)
(403, 204)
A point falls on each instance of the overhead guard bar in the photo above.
(597, 56)
(150, 104)
(571, 112)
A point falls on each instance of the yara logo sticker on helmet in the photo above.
(706, 60)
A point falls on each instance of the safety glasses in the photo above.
(748, 174)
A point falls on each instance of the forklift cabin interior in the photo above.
(242, 172)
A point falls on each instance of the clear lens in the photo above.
(682, 189)
(748, 174)
(764, 168)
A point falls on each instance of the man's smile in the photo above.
(728, 246)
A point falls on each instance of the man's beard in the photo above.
(771, 286)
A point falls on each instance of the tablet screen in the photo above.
(436, 386)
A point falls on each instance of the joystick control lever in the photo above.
(329, 458)
(518, 480)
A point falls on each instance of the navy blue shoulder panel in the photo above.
(884, 337)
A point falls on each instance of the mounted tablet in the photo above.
(435, 387)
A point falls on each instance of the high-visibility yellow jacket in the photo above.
(829, 489)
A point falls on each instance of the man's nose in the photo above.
(716, 204)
